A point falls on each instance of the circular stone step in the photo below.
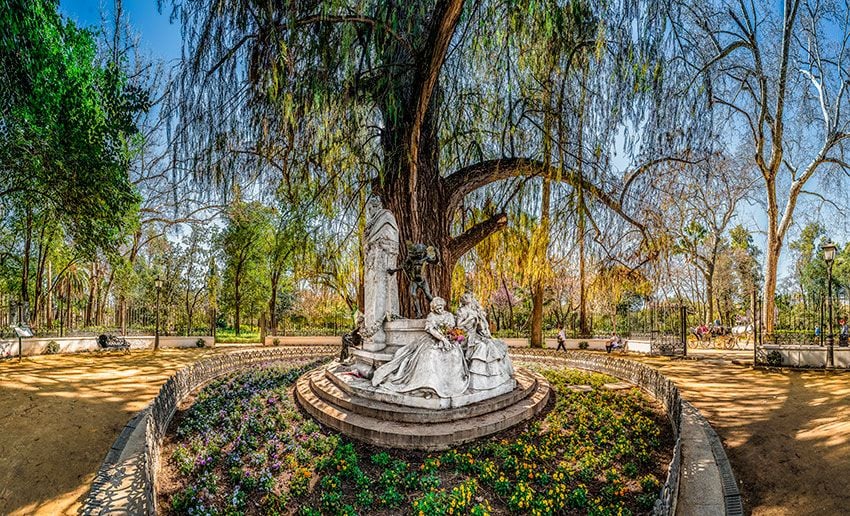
(365, 420)
(331, 389)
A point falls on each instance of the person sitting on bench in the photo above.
(614, 343)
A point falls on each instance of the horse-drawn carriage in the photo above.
(717, 336)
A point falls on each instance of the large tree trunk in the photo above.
(39, 277)
(273, 302)
(773, 248)
(425, 217)
(709, 293)
(771, 264)
(48, 304)
(69, 323)
(90, 304)
(542, 258)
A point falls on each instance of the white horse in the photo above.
(743, 330)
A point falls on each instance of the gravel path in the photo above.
(60, 414)
(786, 433)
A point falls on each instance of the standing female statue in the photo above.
(380, 289)
(489, 363)
(433, 364)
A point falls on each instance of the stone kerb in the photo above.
(125, 482)
(703, 462)
(38, 346)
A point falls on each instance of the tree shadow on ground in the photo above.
(61, 414)
(787, 433)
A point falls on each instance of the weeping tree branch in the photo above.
(473, 177)
(365, 20)
(462, 243)
(446, 18)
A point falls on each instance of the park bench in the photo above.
(621, 348)
(112, 342)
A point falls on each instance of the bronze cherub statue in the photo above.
(418, 257)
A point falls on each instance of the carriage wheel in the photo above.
(730, 342)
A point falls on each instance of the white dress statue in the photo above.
(433, 364)
(489, 363)
(380, 287)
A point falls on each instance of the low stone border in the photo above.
(38, 346)
(125, 482)
(808, 355)
(699, 466)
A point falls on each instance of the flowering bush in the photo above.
(244, 447)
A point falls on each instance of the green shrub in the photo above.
(774, 358)
(52, 348)
(200, 343)
(582, 345)
(276, 342)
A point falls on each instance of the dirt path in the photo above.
(786, 433)
(60, 414)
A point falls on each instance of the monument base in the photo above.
(354, 383)
(341, 400)
(396, 334)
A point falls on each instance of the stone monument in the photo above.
(380, 286)
(423, 384)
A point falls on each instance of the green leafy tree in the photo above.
(287, 241)
(428, 95)
(66, 132)
(746, 256)
(243, 246)
(809, 269)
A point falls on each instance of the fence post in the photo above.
(683, 331)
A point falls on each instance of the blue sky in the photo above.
(161, 38)
(158, 36)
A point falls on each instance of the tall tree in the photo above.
(66, 123)
(242, 245)
(783, 76)
(706, 198)
(386, 75)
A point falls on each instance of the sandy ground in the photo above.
(60, 414)
(786, 433)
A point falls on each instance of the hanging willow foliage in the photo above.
(438, 105)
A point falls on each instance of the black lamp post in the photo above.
(828, 249)
(158, 283)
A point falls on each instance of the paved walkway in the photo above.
(787, 434)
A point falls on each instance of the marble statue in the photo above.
(488, 360)
(434, 364)
(418, 257)
(380, 286)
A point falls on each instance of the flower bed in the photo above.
(244, 447)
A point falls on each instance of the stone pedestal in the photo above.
(395, 335)
(340, 399)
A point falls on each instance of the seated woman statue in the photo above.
(489, 363)
(430, 365)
